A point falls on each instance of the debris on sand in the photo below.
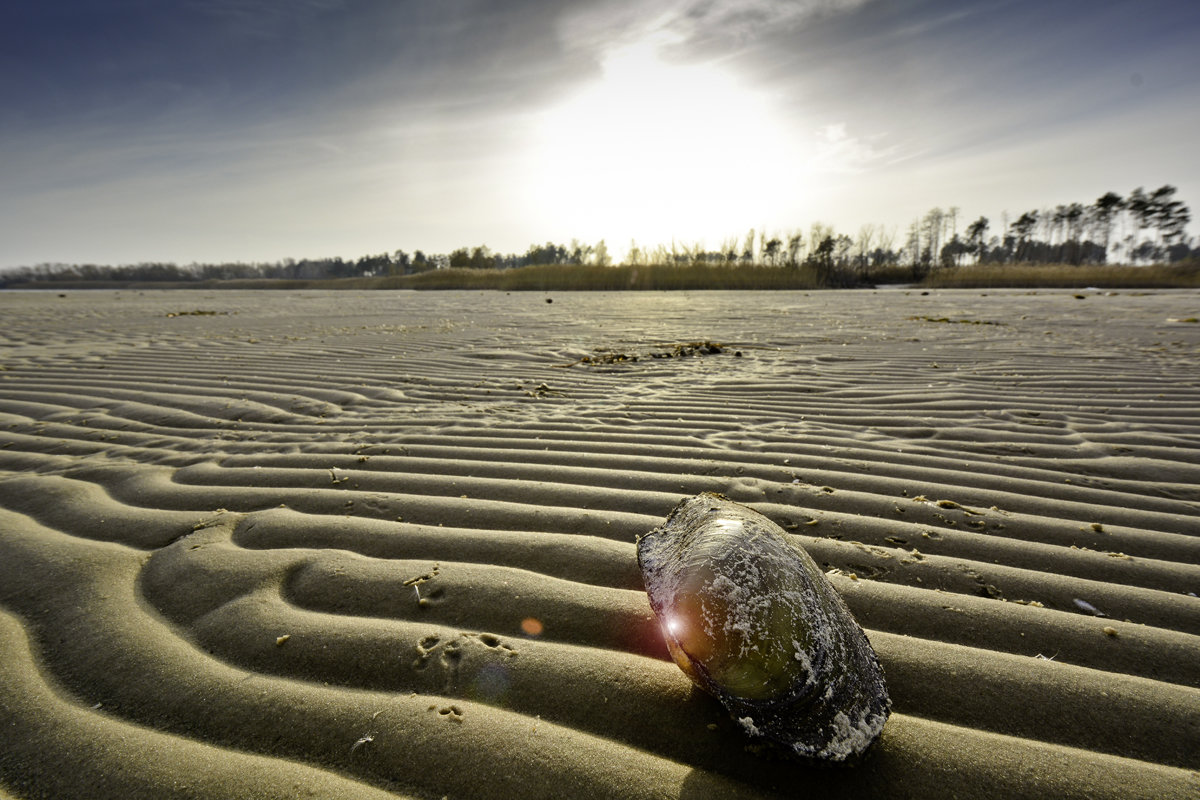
(681, 350)
(954, 321)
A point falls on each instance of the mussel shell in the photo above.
(752, 620)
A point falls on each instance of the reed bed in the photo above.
(572, 277)
(563, 277)
(1067, 276)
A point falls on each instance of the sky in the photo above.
(254, 130)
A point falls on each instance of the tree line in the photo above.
(395, 263)
(1140, 228)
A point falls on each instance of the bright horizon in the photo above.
(231, 130)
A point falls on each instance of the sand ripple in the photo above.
(381, 544)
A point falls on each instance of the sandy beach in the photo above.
(381, 544)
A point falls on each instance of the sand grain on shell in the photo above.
(381, 544)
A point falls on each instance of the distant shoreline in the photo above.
(692, 278)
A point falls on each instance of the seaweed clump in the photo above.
(604, 356)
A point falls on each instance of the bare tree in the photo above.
(932, 227)
(636, 257)
(795, 247)
(600, 254)
(912, 245)
(863, 245)
(748, 249)
(818, 232)
(729, 250)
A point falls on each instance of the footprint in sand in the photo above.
(440, 664)
(451, 713)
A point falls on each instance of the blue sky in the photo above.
(212, 130)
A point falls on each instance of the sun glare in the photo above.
(654, 151)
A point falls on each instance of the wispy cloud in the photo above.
(713, 24)
(837, 151)
(740, 20)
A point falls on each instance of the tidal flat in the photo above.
(381, 544)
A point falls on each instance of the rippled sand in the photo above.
(381, 544)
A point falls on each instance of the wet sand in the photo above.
(363, 544)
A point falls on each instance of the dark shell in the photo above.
(752, 620)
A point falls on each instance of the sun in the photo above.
(656, 151)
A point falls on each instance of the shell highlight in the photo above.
(753, 621)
